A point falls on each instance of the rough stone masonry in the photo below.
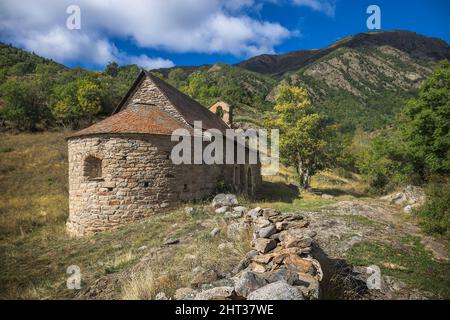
(120, 168)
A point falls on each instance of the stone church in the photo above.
(120, 169)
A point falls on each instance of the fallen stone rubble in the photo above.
(280, 265)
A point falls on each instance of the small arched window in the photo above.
(92, 168)
(220, 112)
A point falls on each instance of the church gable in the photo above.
(147, 93)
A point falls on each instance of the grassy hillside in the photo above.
(363, 87)
(246, 91)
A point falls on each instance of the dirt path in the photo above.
(384, 213)
(342, 225)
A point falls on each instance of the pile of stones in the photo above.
(280, 265)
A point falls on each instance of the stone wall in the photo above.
(147, 91)
(138, 179)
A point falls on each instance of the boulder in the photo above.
(281, 274)
(309, 285)
(232, 215)
(262, 258)
(327, 196)
(301, 265)
(269, 213)
(262, 222)
(265, 232)
(245, 261)
(279, 290)
(240, 209)
(264, 245)
(256, 267)
(222, 210)
(248, 282)
(222, 199)
(217, 293)
(255, 213)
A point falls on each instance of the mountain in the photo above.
(359, 81)
(415, 45)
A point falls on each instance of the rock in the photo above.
(185, 294)
(240, 209)
(256, 267)
(245, 261)
(204, 277)
(217, 293)
(290, 242)
(269, 213)
(281, 274)
(308, 285)
(282, 225)
(262, 258)
(327, 196)
(214, 232)
(235, 229)
(161, 296)
(248, 282)
(408, 209)
(293, 217)
(222, 210)
(301, 265)
(266, 232)
(262, 222)
(170, 241)
(279, 290)
(264, 245)
(222, 199)
(189, 210)
(232, 215)
(275, 236)
(255, 213)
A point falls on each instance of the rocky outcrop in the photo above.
(409, 198)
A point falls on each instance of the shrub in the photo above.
(435, 214)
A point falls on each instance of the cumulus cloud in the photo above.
(204, 26)
(326, 6)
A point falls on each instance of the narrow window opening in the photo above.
(93, 168)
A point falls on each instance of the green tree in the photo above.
(23, 104)
(76, 101)
(302, 133)
(112, 69)
(426, 122)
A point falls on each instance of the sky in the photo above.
(165, 33)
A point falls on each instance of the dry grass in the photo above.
(35, 251)
(33, 183)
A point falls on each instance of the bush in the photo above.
(435, 214)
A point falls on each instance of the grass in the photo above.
(35, 250)
(405, 259)
(33, 183)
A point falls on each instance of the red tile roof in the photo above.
(142, 119)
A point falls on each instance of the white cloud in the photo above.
(205, 26)
(326, 6)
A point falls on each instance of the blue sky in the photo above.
(156, 33)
